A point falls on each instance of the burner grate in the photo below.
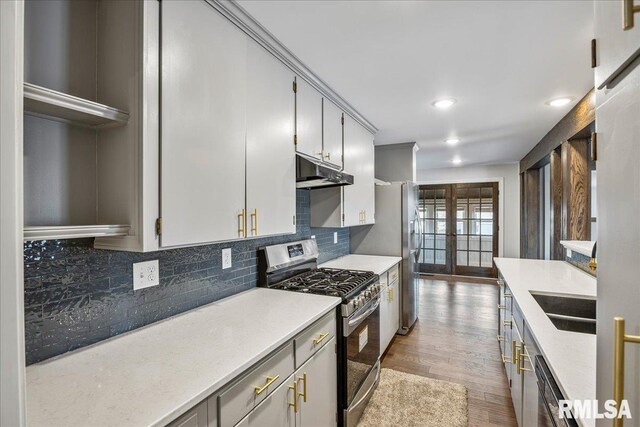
(328, 281)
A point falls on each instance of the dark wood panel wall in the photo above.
(566, 149)
(576, 209)
(555, 167)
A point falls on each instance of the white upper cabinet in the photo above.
(270, 169)
(308, 119)
(616, 46)
(203, 87)
(332, 124)
(359, 198)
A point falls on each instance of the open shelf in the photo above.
(43, 102)
(73, 231)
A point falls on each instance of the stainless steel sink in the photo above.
(569, 313)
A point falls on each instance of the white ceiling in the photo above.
(501, 60)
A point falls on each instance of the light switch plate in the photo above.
(335, 237)
(146, 274)
(226, 258)
(569, 253)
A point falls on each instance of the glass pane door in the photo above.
(434, 214)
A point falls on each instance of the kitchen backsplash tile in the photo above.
(76, 295)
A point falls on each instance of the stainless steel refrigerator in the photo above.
(396, 233)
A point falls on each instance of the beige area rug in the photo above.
(409, 400)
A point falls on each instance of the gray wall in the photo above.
(510, 175)
(76, 295)
(396, 162)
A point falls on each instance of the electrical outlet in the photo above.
(569, 253)
(313, 236)
(226, 258)
(335, 237)
(146, 274)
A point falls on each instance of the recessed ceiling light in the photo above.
(559, 102)
(443, 104)
(452, 141)
(456, 160)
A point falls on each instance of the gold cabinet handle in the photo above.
(506, 323)
(521, 356)
(628, 10)
(254, 222)
(270, 381)
(392, 295)
(619, 340)
(328, 156)
(507, 295)
(505, 359)
(500, 282)
(501, 306)
(294, 387)
(241, 227)
(515, 353)
(500, 338)
(320, 338)
(303, 378)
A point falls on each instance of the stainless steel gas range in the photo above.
(293, 267)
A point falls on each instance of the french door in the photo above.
(459, 228)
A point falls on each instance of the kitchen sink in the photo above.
(569, 313)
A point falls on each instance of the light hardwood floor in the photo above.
(454, 340)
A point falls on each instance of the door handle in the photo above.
(254, 222)
(619, 340)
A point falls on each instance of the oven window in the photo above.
(363, 349)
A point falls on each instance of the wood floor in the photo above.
(454, 340)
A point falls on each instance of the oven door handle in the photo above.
(358, 319)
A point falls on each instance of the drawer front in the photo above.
(312, 339)
(254, 387)
(394, 273)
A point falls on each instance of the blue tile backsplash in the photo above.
(76, 295)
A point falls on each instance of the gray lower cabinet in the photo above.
(196, 417)
(518, 350)
(275, 410)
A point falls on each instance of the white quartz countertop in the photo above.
(584, 247)
(150, 376)
(375, 263)
(571, 356)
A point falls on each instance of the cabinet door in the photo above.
(615, 46)
(308, 119)
(196, 417)
(530, 382)
(270, 170)
(516, 378)
(203, 83)
(275, 410)
(618, 127)
(321, 404)
(385, 317)
(353, 202)
(332, 123)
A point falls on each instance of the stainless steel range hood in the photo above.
(312, 173)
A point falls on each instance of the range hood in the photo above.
(312, 173)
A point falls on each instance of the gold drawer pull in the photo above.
(507, 295)
(270, 381)
(303, 378)
(500, 338)
(515, 353)
(506, 323)
(294, 387)
(501, 306)
(320, 338)
(241, 227)
(500, 282)
(254, 222)
(629, 9)
(619, 340)
(505, 359)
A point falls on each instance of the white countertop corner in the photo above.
(584, 247)
(377, 264)
(150, 376)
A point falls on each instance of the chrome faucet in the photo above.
(593, 264)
